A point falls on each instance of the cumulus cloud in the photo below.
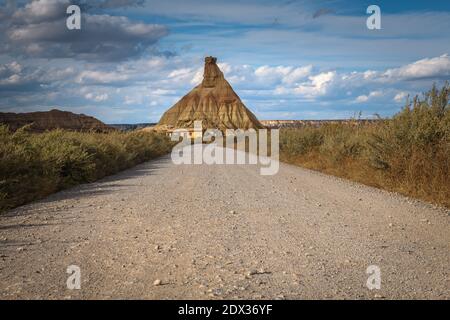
(180, 74)
(96, 97)
(10, 68)
(286, 74)
(437, 67)
(13, 76)
(197, 77)
(297, 74)
(318, 84)
(155, 83)
(371, 95)
(113, 66)
(361, 99)
(100, 77)
(39, 11)
(401, 97)
(267, 71)
(39, 30)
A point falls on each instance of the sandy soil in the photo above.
(161, 231)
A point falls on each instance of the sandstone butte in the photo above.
(214, 102)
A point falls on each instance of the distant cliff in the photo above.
(54, 119)
(131, 127)
(277, 124)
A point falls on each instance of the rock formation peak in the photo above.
(214, 102)
(212, 73)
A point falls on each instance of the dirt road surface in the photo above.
(162, 231)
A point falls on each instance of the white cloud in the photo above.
(401, 97)
(154, 84)
(362, 98)
(425, 68)
(102, 77)
(41, 10)
(38, 30)
(97, 97)
(317, 85)
(297, 74)
(267, 71)
(198, 77)
(8, 69)
(180, 73)
(12, 79)
(370, 96)
(225, 67)
(15, 67)
(162, 92)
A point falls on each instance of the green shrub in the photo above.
(409, 153)
(35, 165)
(413, 148)
(342, 141)
(300, 142)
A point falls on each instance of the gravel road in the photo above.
(162, 231)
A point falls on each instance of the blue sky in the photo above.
(133, 59)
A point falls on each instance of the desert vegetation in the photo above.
(33, 165)
(408, 153)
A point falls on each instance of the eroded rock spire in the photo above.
(214, 102)
(212, 73)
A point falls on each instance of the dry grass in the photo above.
(33, 166)
(409, 153)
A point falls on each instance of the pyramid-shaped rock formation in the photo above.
(214, 102)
